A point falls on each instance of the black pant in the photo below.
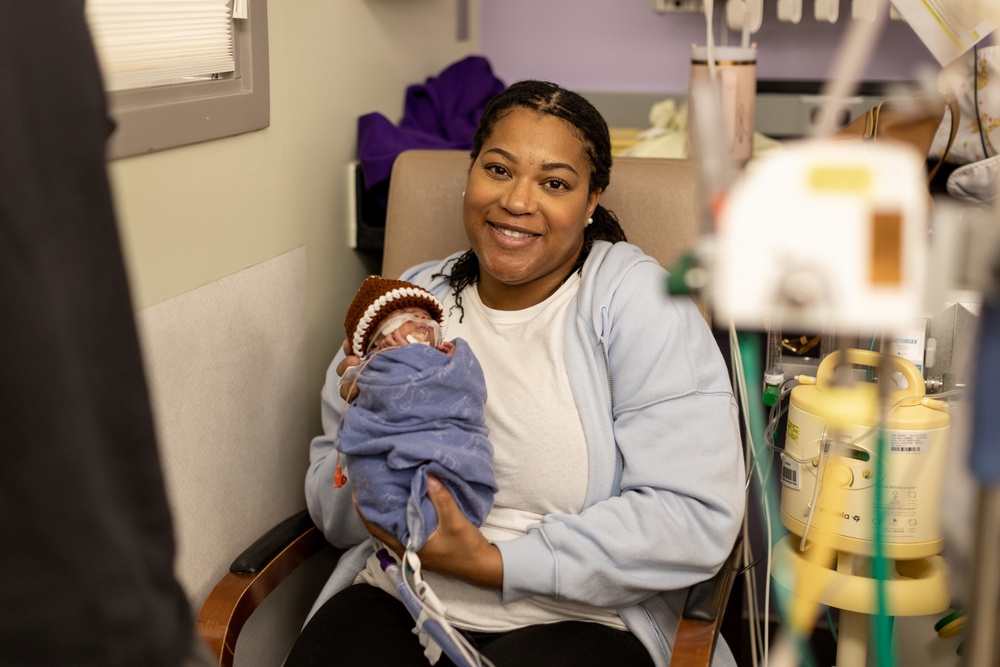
(363, 624)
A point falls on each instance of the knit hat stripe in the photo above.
(407, 295)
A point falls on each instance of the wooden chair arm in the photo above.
(267, 562)
(251, 578)
(701, 619)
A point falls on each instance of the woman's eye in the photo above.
(497, 169)
(556, 184)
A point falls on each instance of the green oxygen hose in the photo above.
(749, 346)
(884, 653)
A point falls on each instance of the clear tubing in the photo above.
(774, 376)
(463, 656)
(828, 344)
(773, 373)
(852, 56)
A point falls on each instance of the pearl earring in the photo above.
(590, 221)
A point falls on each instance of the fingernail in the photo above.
(433, 484)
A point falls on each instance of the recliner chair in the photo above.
(659, 206)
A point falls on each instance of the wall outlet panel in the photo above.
(678, 6)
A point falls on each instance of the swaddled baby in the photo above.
(419, 412)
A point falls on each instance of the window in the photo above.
(227, 96)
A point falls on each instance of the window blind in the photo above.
(145, 43)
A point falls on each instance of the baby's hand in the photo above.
(447, 347)
(348, 390)
(394, 339)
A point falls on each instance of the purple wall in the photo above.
(624, 46)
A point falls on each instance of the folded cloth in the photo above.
(419, 412)
(441, 113)
(977, 182)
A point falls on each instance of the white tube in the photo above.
(853, 54)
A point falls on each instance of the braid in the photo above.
(592, 130)
(604, 228)
(464, 272)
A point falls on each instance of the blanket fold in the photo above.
(419, 412)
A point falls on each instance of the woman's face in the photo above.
(526, 206)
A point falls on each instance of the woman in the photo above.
(616, 445)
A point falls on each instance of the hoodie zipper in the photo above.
(604, 354)
(607, 373)
(611, 393)
(661, 636)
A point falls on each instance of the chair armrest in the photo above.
(268, 561)
(251, 578)
(701, 619)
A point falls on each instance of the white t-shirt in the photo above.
(540, 456)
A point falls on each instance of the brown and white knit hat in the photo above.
(376, 298)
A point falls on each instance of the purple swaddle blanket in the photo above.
(419, 412)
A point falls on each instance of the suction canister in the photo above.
(829, 468)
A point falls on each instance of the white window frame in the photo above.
(162, 117)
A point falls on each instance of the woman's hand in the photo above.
(348, 390)
(456, 547)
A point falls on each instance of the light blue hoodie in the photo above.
(665, 489)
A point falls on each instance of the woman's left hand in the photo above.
(456, 547)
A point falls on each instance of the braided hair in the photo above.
(590, 128)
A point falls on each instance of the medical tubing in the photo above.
(749, 353)
(854, 52)
(739, 384)
(774, 376)
(395, 574)
(709, 37)
(882, 622)
(816, 489)
(884, 653)
(432, 626)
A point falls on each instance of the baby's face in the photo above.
(410, 331)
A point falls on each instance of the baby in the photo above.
(391, 313)
(412, 324)
(384, 312)
(417, 412)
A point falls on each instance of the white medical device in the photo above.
(824, 234)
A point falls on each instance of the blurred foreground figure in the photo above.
(86, 563)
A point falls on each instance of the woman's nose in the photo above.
(519, 197)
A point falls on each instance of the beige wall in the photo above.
(196, 214)
(222, 238)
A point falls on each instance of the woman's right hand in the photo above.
(348, 390)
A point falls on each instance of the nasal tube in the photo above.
(393, 322)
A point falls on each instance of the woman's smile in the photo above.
(511, 232)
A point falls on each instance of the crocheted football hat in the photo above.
(376, 298)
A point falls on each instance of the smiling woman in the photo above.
(527, 203)
(613, 425)
(537, 131)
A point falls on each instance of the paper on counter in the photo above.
(948, 28)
